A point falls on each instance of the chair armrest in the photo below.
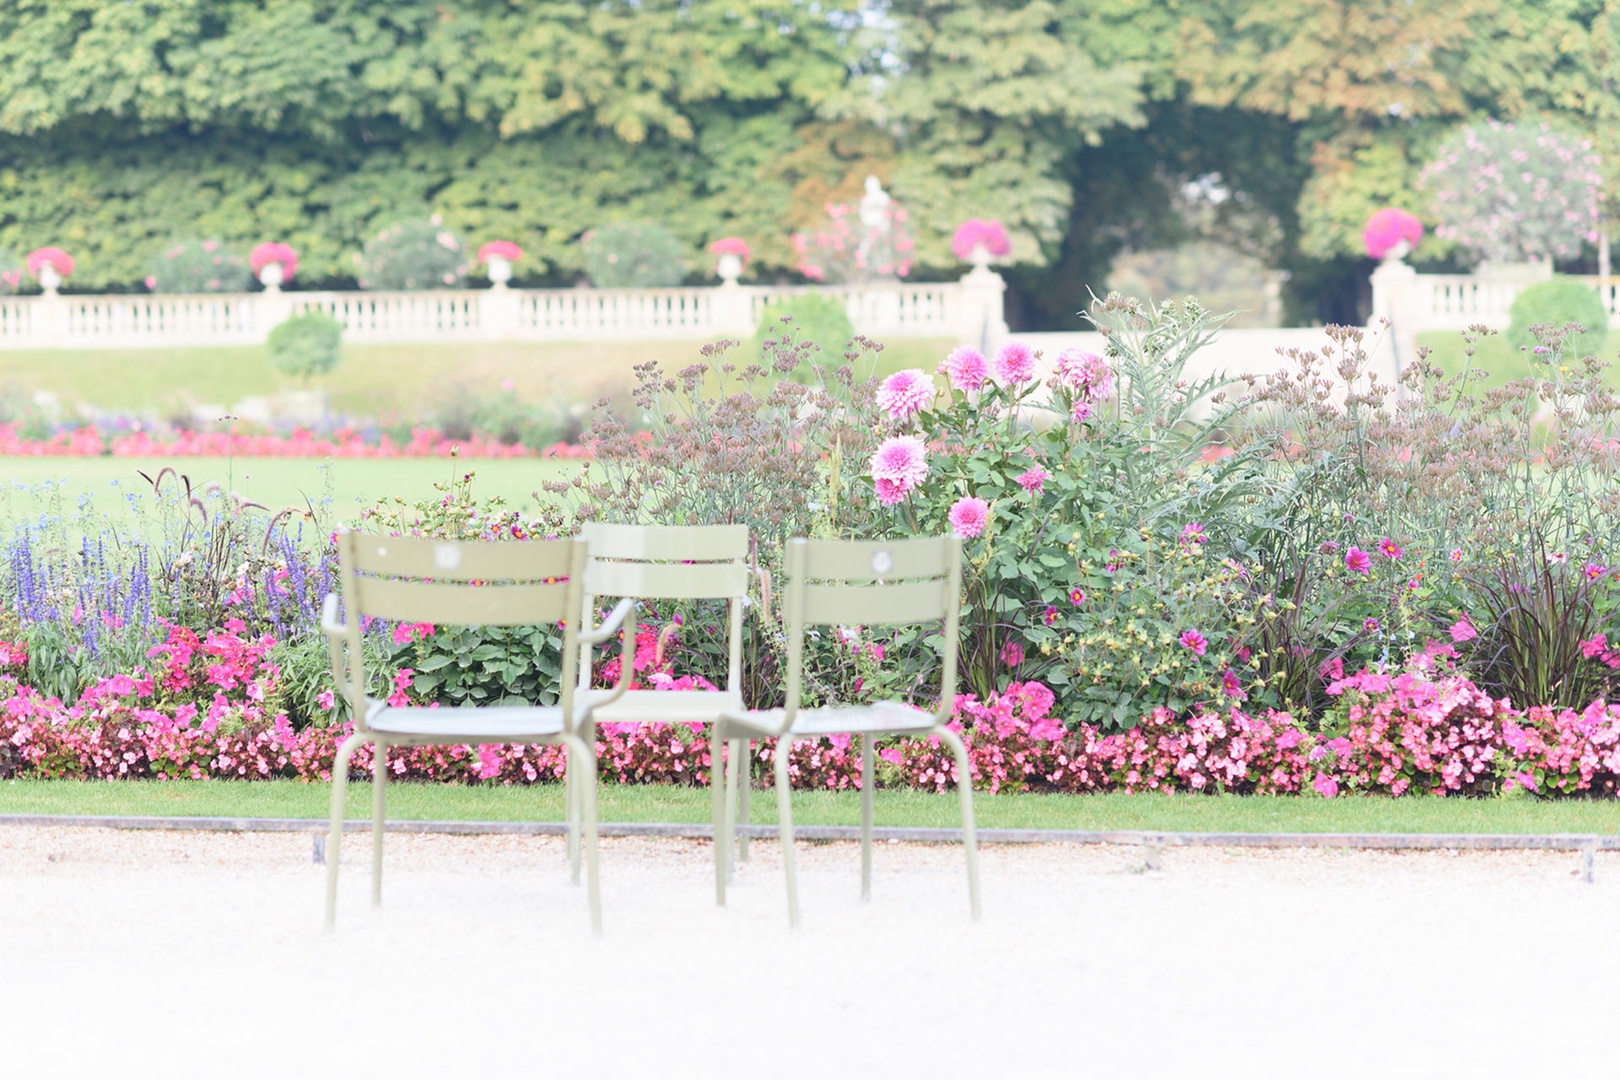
(611, 624)
(336, 635)
(590, 700)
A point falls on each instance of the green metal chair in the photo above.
(468, 583)
(854, 583)
(669, 562)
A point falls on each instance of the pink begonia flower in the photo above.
(968, 516)
(1015, 364)
(1325, 785)
(906, 393)
(1034, 479)
(1194, 641)
(1596, 645)
(1012, 654)
(1389, 549)
(900, 464)
(1463, 630)
(966, 368)
(1357, 560)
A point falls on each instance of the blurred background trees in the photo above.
(1094, 129)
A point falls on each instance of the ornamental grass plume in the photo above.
(906, 393)
(968, 516)
(900, 464)
(967, 369)
(1015, 364)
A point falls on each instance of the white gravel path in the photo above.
(200, 955)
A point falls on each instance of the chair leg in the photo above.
(745, 792)
(964, 788)
(784, 824)
(334, 837)
(379, 786)
(587, 801)
(571, 809)
(717, 791)
(734, 777)
(867, 749)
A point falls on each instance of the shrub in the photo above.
(198, 266)
(305, 345)
(821, 321)
(11, 272)
(633, 255)
(413, 255)
(1555, 303)
(1515, 192)
(848, 248)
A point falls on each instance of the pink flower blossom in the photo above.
(53, 257)
(1012, 654)
(500, 249)
(1389, 227)
(1034, 479)
(976, 231)
(906, 393)
(966, 368)
(1389, 549)
(1593, 571)
(1050, 615)
(900, 464)
(1456, 555)
(1357, 560)
(1015, 364)
(1462, 630)
(1232, 686)
(267, 253)
(1085, 374)
(325, 699)
(1193, 641)
(968, 516)
(1325, 785)
(1596, 645)
(1076, 597)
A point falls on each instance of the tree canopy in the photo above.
(1086, 126)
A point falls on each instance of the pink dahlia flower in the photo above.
(1034, 479)
(1015, 364)
(1086, 374)
(966, 368)
(1194, 641)
(1357, 560)
(968, 516)
(899, 465)
(906, 393)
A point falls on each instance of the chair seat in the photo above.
(496, 723)
(885, 716)
(668, 706)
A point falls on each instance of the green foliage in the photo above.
(821, 321)
(1555, 303)
(633, 255)
(199, 266)
(305, 345)
(413, 255)
(12, 269)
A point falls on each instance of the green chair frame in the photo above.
(670, 562)
(852, 583)
(463, 583)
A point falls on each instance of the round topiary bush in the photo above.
(198, 266)
(633, 255)
(1556, 302)
(306, 345)
(414, 255)
(823, 320)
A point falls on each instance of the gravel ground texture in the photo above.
(201, 955)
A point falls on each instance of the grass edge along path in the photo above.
(664, 804)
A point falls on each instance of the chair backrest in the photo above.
(462, 583)
(669, 562)
(873, 583)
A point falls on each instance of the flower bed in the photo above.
(206, 710)
(344, 443)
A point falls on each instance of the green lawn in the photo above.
(656, 803)
(25, 483)
(371, 380)
(1499, 361)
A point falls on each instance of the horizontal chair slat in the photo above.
(873, 605)
(842, 560)
(461, 605)
(444, 560)
(703, 543)
(666, 581)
